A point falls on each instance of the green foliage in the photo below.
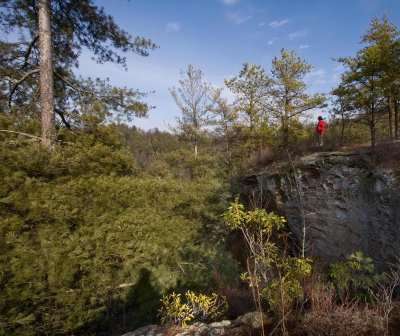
(354, 276)
(272, 273)
(81, 228)
(193, 98)
(369, 91)
(236, 217)
(251, 89)
(197, 307)
(282, 291)
(289, 99)
(75, 25)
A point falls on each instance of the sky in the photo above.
(217, 36)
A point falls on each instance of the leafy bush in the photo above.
(197, 307)
(354, 276)
(272, 273)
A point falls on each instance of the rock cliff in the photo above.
(344, 203)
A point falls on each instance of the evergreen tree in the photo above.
(289, 99)
(343, 108)
(363, 80)
(64, 29)
(383, 35)
(251, 91)
(225, 119)
(89, 244)
(193, 99)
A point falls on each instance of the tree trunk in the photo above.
(390, 110)
(46, 75)
(396, 119)
(372, 128)
(228, 151)
(285, 133)
(342, 127)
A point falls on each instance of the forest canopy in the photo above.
(99, 219)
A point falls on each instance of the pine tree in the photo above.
(383, 35)
(251, 88)
(364, 80)
(67, 27)
(288, 93)
(372, 79)
(193, 99)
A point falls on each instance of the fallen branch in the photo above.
(21, 133)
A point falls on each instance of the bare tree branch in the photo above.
(19, 82)
(68, 83)
(28, 52)
(61, 114)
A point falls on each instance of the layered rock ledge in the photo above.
(345, 203)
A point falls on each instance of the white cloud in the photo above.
(318, 77)
(238, 18)
(317, 73)
(297, 34)
(323, 77)
(173, 27)
(261, 24)
(337, 72)
(339, 68)
(272, 41)
(304, 46)
(276, 24)
(229, 2)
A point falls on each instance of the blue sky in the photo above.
(217, 36)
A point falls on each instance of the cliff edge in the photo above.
(344, 202)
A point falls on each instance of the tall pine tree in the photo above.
(52, 35)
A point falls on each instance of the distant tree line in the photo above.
(268, 108)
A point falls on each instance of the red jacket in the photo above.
(320, 126)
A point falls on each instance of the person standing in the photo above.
(320, 131)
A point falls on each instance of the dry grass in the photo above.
(327, 318)
(238, 297)
(387, 155)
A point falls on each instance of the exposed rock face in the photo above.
(248, 324)
(345, 204)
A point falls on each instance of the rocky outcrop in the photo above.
(248, 324)
(344, 203)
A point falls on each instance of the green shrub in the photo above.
(197, 307)
(354, 276)
(81, 231)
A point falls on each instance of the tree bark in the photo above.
(396, 119)
(342, 132)
(391, 112)
(46, 75)
(372, 127)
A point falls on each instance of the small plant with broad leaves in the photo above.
(354, 277)
(195, 307)
(272, 273)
